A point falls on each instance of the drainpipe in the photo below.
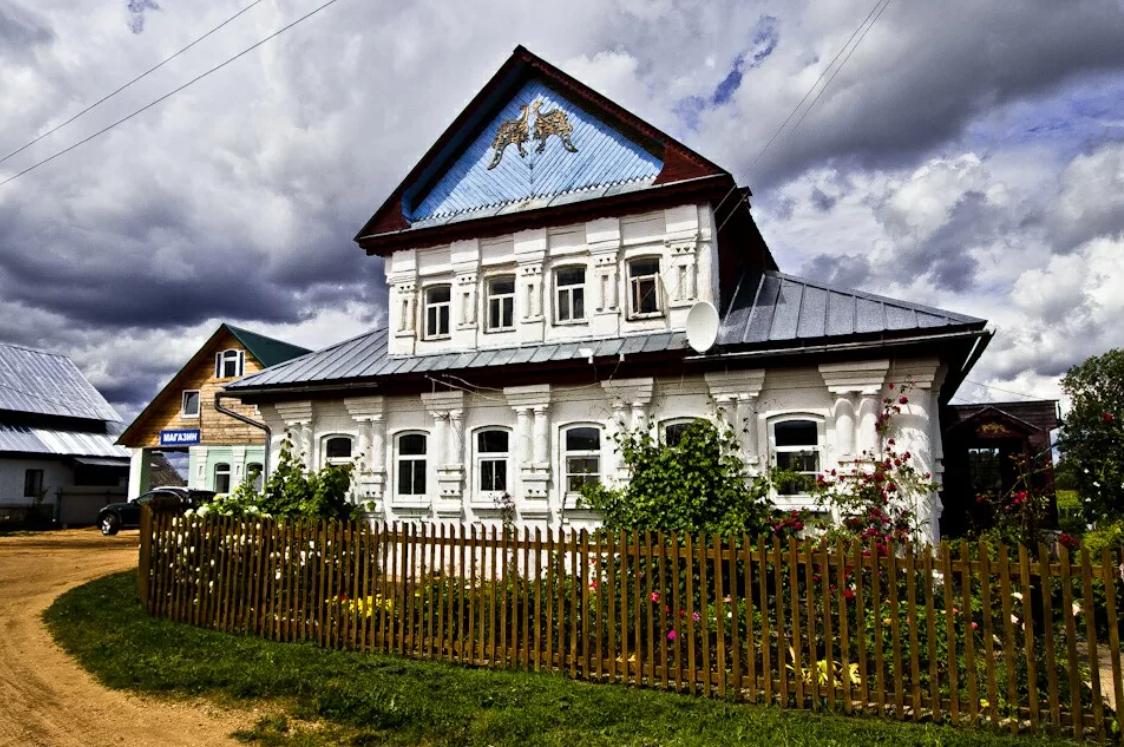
(253, 424)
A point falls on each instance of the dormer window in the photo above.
(229, 364)
(644, 287)
(437, 304)
(501, 304)
(569, 285)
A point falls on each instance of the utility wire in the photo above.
(171, 93)
(107, 97)
(1000, 389)
(788, 137)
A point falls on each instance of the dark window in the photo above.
(228, 364)
(985, 469)
(437, 306)
(570, 294)
(583, 457)
(797, 449)
(255, 474)
(338, 447)
(501, 303)
(492, 449)
(222, 478)
(33, 483)
(673, 433)
(190, 405)
(644, 277)
(411, 464)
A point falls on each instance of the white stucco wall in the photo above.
(56, 475)
(752, 399)
(681, 237)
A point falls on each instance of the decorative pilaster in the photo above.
(855, 430)
(603, 237)
(297, 417)
(532, 443)
(735, 394)
(406, 295)
(466, 300)
(684, 270)
(371, 467)
(447, 410)
(626, 395)
(529, 292)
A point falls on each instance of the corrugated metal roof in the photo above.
(267, 350)
(605, 161)
(767, 308)
(28, 440)
(48, 384)
(771, 307)
(366, 357)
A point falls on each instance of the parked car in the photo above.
(126, 515)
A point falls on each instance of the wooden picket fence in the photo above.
(968, 635)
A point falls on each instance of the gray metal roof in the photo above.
(48, 384)
(20, 438)
(771, 307)
(366, 357)
(767, 308)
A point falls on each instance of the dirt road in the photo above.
(46, 699)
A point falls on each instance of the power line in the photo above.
(171, 93)
(107, 97)
(1000, 389)
(847, 44)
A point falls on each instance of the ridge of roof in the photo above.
(46, 383)
(268, 350)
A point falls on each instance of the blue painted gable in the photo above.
(603, 157)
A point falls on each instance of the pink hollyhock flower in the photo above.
(975, 625)
(696, 616)
(655, 596)
(672, 635)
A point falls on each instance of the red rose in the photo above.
(903, 401)
(1108, 417)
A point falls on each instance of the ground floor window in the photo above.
(412, 464)
(492, 453)
(256, 474)
(33, 483)
(222, 478)
(582, 457)
(796, 445)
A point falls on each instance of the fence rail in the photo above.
(968, 634)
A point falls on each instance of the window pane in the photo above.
(579, 303)
(405, 478)
(191, 403)
(439, 294)
(501, 286)
(571, 276)
(673, 433)
(582, 471)
(222, 478)
(418, 469)
(564, 306)
(644, 299)
(640, 267)
(32, 483)
(495, 319)
(583, 439)
(796, 433)
(339, 448)
(799, 461)
(492, 441)
(443, 320)
(411, 443)
(508, 312)
(431, 321)
(493, 474)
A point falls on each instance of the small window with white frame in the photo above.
(222, 478)
(337, 450)
(644, 287)
(493, 461)
(673, 430)
(581, 457)
(412, 465)
(437, 311)
(189, 403)
(569, 295)
(229, 364)
(501, 303)
(797, 445)
(255, 474)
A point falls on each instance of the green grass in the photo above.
(322, 697)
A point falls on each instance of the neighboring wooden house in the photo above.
(182, 417)
(57, 456)
(543, 260)
(984, 445)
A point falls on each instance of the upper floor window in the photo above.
(644, 287)
(501, 303)
(222, 478)
(569, 283)
(492, 454)
(797, 445)
(437, 304)
(229, 364)
(337, 450)
(412, 464)
(189, 404)
(582, 457)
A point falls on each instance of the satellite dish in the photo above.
(702, 326)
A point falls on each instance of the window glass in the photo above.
(32, 483)
(411, 464)
(437, 305)
(796, 446)
(644, 275)
(228, 364)
(570, 302)
(582, 457)
(338, 447)
(222, 478)
(189, 407)
(255, 473)
(797, 433)
(501, 303)
(492, 460)
(673, 432)
(492, 441)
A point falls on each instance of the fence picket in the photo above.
(1047, 594)
(841, 589)
(778, 606)
(988, 655)
(914, 633)
(810, 599)
(1075, 709)
(1108, 576)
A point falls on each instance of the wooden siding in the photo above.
(216, 429)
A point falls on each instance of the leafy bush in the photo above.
(698, 484)
(1092, 435)
(291, 492)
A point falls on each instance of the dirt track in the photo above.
(47, 699)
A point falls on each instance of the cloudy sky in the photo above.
(969, 155)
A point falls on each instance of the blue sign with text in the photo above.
(179, 437)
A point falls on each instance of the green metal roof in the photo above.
(267, 350)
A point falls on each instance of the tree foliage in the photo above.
(698, 484)
(1092, 435)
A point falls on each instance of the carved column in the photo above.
(542, 436)
(605, 269)
(306, 444)
(639, 417)
(454, 451)
(447, 409)
(684, 271)
(855, 431)
(523, 437)
(407, 307)
(440, 437)
(532, 444)
(747, 427)
(529, 292)
(844, 411)
(466, 300)
(378, 445)
(735, 394)
(617, 425)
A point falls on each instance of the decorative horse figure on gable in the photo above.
(511, 132)
(549, 123)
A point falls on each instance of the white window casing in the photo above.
(438, 312)
(645, 288)
(500, 307)
(569, 295)
(190, 403)
(230, 364)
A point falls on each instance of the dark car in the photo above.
(117, 516)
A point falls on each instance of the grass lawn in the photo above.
(325, 697)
